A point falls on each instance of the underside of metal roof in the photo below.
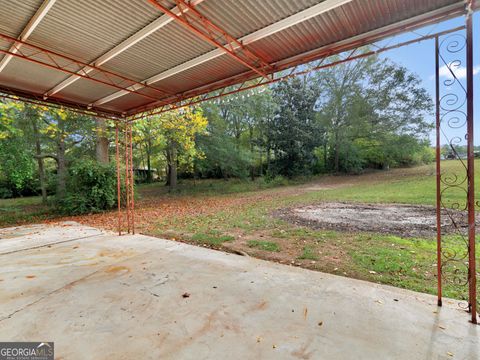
(119, 58)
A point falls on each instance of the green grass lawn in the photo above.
(23, 210)
(249, 226)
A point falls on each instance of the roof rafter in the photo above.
(293, 72)
(204, 28)
(120, 48)
(269, 30)
(345, 45)
(27, 31)
(69, 65)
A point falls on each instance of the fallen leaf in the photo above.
(320, 323)
(449, 353)
(186, 295)
(305, 311)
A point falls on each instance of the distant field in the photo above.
(239, 216)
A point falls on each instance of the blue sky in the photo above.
(420, 59)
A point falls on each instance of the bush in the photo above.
(427, 155)
(278, 180)
(17, 169)
(5, 192)
(91, 187)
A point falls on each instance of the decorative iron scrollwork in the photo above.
(454, 183)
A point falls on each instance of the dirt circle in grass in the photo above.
(395, 219)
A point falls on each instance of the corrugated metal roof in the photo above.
(214, 70)
(160, 51)
(28, 76)
(87, 29)
(339, 24)
(175, 44)
(14, 18)
(258, 13)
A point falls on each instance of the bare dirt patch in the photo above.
(395, 219)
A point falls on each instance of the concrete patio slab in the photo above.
(100, 296)
(31, 236)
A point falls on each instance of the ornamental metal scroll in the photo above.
(452, 237)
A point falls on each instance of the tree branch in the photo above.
(43, 156)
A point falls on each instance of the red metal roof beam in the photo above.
(50, 59)
(194, 21)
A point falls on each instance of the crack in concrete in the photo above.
(47, 295)
(53, 243)
(103, 268)
(162, 282)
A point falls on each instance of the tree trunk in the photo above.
(172, 175)
(149, 164)
(102, 142)
(252, 166)
(172, 166)
(268, 159)
(41, 170)
(61, 170)
(325, 155)
(337, 153)
(260, 158)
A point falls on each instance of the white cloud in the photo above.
(459, 71)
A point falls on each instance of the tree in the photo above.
(32, 115)
(17, 168)
(246, 117)
(63, 130)
(223, 157)
(341, 90)
(294, 129)
(373, 101)
(173, 133)
(102, 141)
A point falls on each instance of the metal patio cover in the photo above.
(123, 57)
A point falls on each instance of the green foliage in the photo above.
(91, 187)
(351, 160)
(294, 132)
(169, 139)
(17, 167)
(394, 151)
(238, 136)
(211, 238)
(264, 245)
(369, 113)
(278, 180)
(374, 113)
(222, 158)
(426, 155)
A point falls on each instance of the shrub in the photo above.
(278, 180)
(91, 187)
(5, 192)
(427, 155)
